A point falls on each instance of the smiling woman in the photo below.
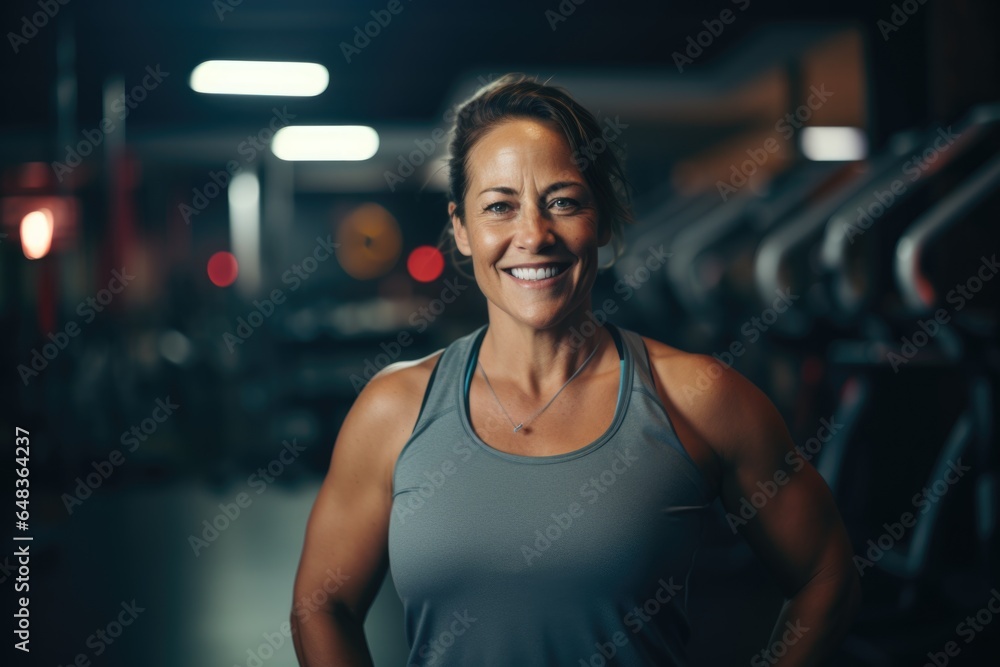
(549, 513)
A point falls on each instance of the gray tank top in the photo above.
(579, 558)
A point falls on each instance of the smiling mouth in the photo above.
(541, 273)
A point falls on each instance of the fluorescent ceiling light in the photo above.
(834, 143)
(244, 229)
(254, 77)
(325, 142)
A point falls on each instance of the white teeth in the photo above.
(535, 274)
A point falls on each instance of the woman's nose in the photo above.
(534, 230)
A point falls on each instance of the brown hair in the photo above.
(521, 96)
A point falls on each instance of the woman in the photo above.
(539, 486)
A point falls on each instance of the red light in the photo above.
(425, 263)
(222, 269)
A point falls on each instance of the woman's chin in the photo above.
(540, 317)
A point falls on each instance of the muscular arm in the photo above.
(796, 531)
(345, 555)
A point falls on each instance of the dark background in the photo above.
(163, 336)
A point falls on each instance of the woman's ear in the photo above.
(461, 237)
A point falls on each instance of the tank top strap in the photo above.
(439, 396)
(641, 371)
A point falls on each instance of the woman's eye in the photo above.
(563, 203)
(498, 207)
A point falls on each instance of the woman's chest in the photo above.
(610, 521)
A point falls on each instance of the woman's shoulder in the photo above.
(400, 386)
(678, 367)
(397, 390)
(719, 403)
(385, 412)
(705, 374)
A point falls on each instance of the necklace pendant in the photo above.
(518, 427)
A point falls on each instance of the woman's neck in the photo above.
(539, 361)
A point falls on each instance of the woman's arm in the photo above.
(797, 532)
(345, 555)
(782, 506)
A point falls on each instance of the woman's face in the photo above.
(531, 223)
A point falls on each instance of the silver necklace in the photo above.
(517, 427)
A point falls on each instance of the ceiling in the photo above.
(404, 75)
(617, 58)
